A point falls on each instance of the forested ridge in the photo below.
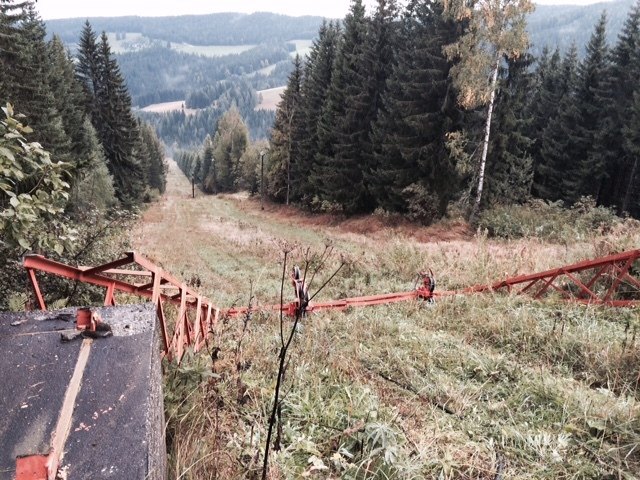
(161, 74)
(400, 112)
(157, 69)
(562, 25)
(213, 29)
(548, 25)
(75, 161)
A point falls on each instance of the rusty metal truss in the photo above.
(195, 316)
(604, 281)
(595, 282)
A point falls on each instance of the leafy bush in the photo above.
(422, 205)
(33, 192)
(549, 220)
(325, 206)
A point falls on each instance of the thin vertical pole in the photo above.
(261, 180)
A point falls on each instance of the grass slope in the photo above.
(475, 387)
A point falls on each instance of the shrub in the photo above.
(422, 205)
(549, 220)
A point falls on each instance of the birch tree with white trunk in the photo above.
(496, 30)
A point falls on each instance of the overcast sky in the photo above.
(328, 8)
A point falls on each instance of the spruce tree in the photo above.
(589, 170)
(631, 142)
(353, 146)
(88, 68)
(32, 93)
(510, 172)
(631, 133)
(336, 175)
(11, 15)
(70, 102)
(93, 185)
(560, 137)
(286, 176)
(544, 106)
(317, 78)
(413, 172)
(618, 95)
(116, 126)
(151, 157)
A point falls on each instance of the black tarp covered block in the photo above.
(117, 428)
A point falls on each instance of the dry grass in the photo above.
(475, 387)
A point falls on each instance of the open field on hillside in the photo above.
(128, 42)
(133, 41)
(211, 50)
(486, 386)
(270, 98)
(303, 47)
(169, 107)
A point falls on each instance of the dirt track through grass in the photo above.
(473, 387)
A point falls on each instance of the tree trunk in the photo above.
(487, 133)
(289, 156)
(627, 194)
(288, 172)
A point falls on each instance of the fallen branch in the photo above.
(412, 389)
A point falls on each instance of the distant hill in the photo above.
(551, 25)
(213, 29)
(560, 25)
(212, 61)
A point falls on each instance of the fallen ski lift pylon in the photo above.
(595, 282)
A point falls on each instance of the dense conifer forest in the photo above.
(170, 59)
(157, 72)
(213, 29)
(75, 160)
(425, 110)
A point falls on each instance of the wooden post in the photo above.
(262, 180)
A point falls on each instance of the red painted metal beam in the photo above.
(195, 333)
(115, 264)
(36, 288)
(600, 265)
(632, 255)
(187, 299)
(37, 262)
